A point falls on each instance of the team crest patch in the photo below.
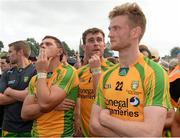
(134, 85)
(26, 79)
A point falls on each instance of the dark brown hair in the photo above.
(92, 31)
(58, 43)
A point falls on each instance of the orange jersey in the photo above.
(126, 91)
(87, 95)
(175, 74)
(57, 123)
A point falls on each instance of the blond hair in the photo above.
(134, 14)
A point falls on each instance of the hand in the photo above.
(77, 130)
(65, 105)
(7, 91)
(42, 63)
(94, 61)
(103, 117)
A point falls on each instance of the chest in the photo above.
(124, 95)
(19, 79)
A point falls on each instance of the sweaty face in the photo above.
(13, 55)
(119, 33)
(94, 44)
(50, 46)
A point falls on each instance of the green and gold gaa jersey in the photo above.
(57, 123)
(87, 95)
(126, 91)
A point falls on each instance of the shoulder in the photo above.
(150, 67)
(82, 70)
(105, 75)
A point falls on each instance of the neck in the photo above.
(23, 63)
(129, 56)
(54, 63)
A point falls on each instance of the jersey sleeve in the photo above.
(100, 100)
(31, 86)
(68, 80)
(157, 89)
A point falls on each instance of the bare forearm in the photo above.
(31, 112)
(122, 126)
(152, 124)
(43, 92)
(136, 128)
(98, 130)
(18, 95)
(169, 118)
(4, 99)
(49, 100)
(95, 81)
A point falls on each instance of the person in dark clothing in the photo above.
(13, 84)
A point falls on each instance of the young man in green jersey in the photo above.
(135, 93)
(53, 83)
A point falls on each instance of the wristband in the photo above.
(41, 75)
(96, 71)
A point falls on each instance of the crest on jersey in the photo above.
(26, 79)
(134, 85)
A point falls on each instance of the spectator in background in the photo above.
(114, 60)
(71, 60)
(5, 63)
(164, 64)
(145, 51)
(154, 55)
(33, 59)
(174, 78)
(172, 64)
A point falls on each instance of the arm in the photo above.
(4, 99)
(77, 120)
(169, 118)
(95, 127)
(18, 95)
(154, 120)
(176, 126)
(65, 105)
(48, 99)
(95, 67)
(30, 109)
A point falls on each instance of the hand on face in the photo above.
(94, 61)
(42, 63)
